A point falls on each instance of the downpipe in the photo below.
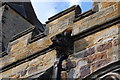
(63, 43)
(59, 67)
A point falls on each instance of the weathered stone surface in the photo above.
(12, 24)
(100, 59)
(83, 43)
(40, 44)
(96, 19)
(19, 51)
(101, 63)
(103, 42)
(85, 53)
(95, 6)
(75, 72)
(96, 57)
(22, 73)
(19, 43)
(101, 5)
(42, 63)
(103, 47)
(79, 55)
(90, 51)
(32, 69)
(84, 71)
(1, 14)
(97, 38)
(57, 25)
(71, 74)
(35, 66)
(14, 71)
(106, 4)
(106, 34)
(64, 75)
(70, 64)
(116, 42)
(113, 53)
(76, 30)
(103, 52)
(6, 60)
(80, 45)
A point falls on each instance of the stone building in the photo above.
(74, 45)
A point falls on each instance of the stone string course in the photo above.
(32, 67)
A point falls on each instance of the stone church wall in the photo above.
(96, 44)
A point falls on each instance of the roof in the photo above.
(26, 10)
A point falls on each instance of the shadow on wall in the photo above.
(80, 47)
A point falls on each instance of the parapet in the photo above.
(94, 36)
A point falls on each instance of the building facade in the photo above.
(76, 46)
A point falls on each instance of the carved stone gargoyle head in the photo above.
(63, 43)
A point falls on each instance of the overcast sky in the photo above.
(45, 9)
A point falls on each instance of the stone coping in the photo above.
(83, 15)
(3, 54)
(63, 13)
(22, 33)
(37, 37)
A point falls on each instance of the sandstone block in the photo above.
(64, 75)
(32, 69)
(22, 73)
(90, 51)
(106, 34)
(107, 4)
(84, 71)
(61, 22)
(76, 71)
(19, 43)
(99, 64)
(103, 47)
(80, 45)
(116, 42)
(113, 53)
(79, 55)
(96, 57)
(70, 64)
